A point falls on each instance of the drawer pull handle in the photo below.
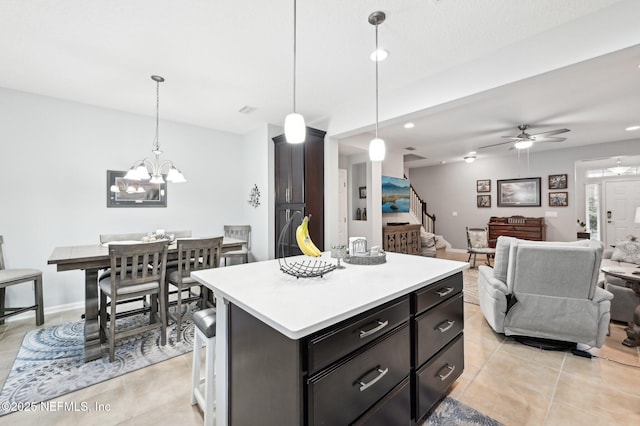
(375, 329)
(444, 292)
(451, 369)
(442, 327)
(366, 385)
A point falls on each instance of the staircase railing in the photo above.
(419, 209)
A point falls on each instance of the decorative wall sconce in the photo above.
(254, 196)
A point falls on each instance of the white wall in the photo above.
(451, 188)
(53, 161)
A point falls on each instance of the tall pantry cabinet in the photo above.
(299, 186)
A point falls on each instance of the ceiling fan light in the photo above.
(379, 55)
(523, 144)
(295, 130)
(470, 158)
(377, 149)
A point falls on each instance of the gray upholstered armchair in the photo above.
(546, 290)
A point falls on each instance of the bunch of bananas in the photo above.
(304, 240)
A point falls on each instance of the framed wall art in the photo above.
(558, 199)
(122, 192)
(558, 181)
(483, 185)
(363, 191)
(484, 201)
(523, 192)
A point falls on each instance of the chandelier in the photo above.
(619, 168)
(152, 169)
(377, 147)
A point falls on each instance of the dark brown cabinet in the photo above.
(387, 366)
(299, 186)
(525, 228)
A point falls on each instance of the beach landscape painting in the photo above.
(395, 195)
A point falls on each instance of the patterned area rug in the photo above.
(50, 362)
(454, 413)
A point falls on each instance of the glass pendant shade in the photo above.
(523, 144)
(175, 176)
(377, 149)
(295, 130)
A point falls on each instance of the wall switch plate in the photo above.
(454, 214)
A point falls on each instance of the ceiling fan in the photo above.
(526, 140)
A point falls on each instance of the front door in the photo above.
(621, 199)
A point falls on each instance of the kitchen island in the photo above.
(376, 344)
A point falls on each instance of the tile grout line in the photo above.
(555, 389)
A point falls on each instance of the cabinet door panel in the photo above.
(436, 327)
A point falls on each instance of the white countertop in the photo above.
(299, 307)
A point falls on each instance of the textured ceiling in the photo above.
(219, 56)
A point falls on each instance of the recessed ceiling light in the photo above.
(443, 162)
(632, 128)
(379, 55)
(409, 125)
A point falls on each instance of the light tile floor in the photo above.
(513, 383)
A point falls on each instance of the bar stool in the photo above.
(204, 332)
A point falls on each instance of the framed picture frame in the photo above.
(363, 191)
(484, 201)
(558, 199)
(558, 181)
(524, 192)
(483, 185)
(141, 193)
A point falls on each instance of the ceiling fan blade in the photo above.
(495, 144)
(551, 139)
(551, 132)
(515, 138)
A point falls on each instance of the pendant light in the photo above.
(295, 130)
(152, 169)
(377, 149)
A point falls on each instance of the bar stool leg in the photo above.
(206, 401)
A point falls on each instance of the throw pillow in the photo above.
(627, 251)
(427, 239)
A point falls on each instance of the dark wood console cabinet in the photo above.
(401, 238)
(525, 228)
(388, 365)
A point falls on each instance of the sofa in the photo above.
(546, 290)
(625, 253)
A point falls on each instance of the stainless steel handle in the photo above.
(442, 328)
(366, 385)
(451, 369)
(444, 292)
(287, 214)
(287, 196)
(375, 329)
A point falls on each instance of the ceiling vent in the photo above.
(413, 157)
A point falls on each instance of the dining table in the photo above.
(92, 258)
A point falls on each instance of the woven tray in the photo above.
(366, 260)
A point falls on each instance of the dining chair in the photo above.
(9, 277)
(193, 255)
(137, 270)
(240, 232)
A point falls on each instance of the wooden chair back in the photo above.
(240, 232)
(198, 253)
(134, 264)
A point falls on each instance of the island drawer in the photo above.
(435, 377)
(437, 327)
(438, 292)
(394, 408)
(342, 393)
(347, 337)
